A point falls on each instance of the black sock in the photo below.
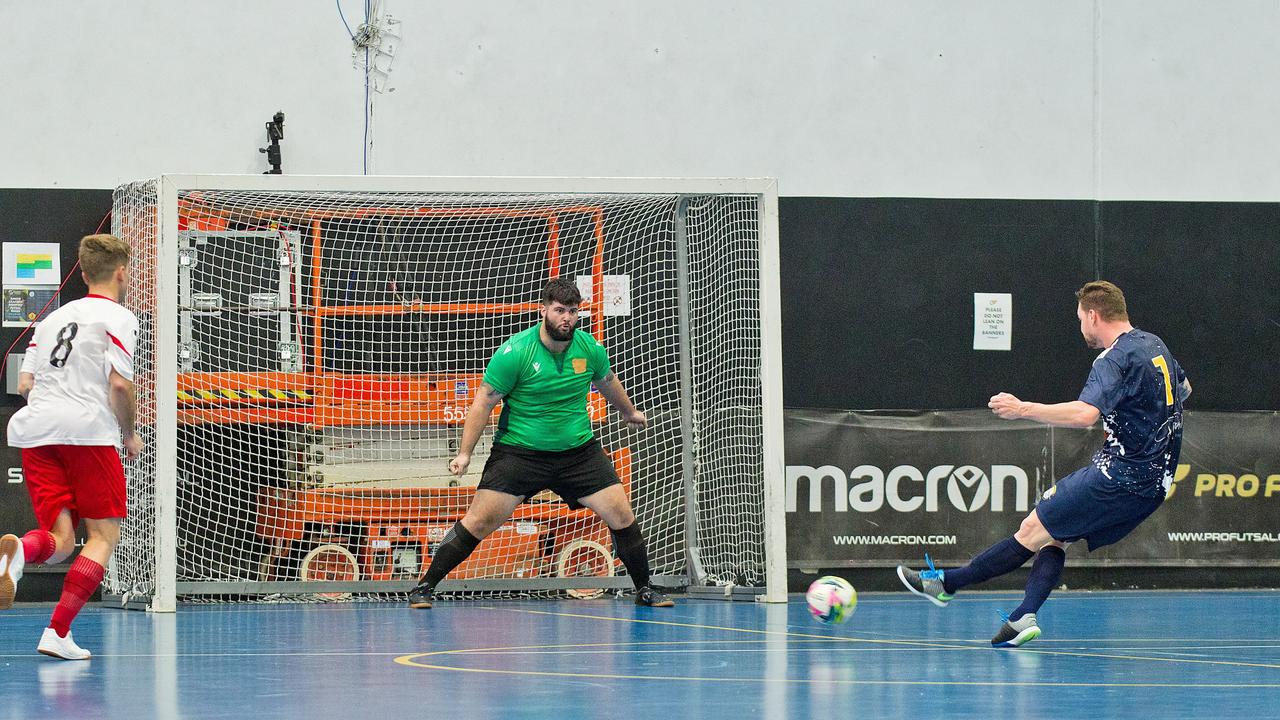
(1046, 571)
(1005, 556)
(628, 543)
(457, 545)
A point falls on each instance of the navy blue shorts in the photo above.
(1088, 505)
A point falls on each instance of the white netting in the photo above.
(329, 344)
(132, 570)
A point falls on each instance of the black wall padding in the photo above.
(1204, 276)
(877, 300)
(53, 215)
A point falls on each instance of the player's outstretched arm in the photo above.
(477, 417)
(1075, 414)
(611, 388)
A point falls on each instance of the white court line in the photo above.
(34, 655)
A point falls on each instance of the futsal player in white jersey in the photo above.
(77, 378)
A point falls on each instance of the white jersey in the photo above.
(72, 354)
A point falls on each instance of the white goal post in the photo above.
(308, 347)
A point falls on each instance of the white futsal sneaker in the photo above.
(12, 558)
(63, 648)
(1016, 633)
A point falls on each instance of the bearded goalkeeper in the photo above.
(544, 441)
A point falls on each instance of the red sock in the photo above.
(38, 546)
(82, 579)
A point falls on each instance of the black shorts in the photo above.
(572, 474)
(1086, 504)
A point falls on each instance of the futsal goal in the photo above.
(309, 347)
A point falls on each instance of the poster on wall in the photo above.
(32, 272)
(617, 294)
(992, 321)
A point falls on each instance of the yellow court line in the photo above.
(915, 643)
(408, 660)
(714, 646)
(412, 661)
(816, 681)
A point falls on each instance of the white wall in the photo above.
(1190, 99)
(835, 98)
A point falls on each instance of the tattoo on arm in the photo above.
(486, 391)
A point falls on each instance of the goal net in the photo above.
(309, 348)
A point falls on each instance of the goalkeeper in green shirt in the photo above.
(544, 441)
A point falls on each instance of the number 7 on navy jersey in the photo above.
(1163, 364)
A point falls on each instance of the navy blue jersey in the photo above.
(1137, 387)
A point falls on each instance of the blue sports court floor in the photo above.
(1122, 655)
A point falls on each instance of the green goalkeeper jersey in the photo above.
(545, 395)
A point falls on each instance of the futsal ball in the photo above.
(831, 599)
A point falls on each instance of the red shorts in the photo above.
(88, 480)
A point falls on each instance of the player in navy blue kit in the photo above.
(1137, 389)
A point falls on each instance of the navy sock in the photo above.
(1005, 556)
(1046, 571)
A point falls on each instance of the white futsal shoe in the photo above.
(1016, 633)
(63, 648)
(12, 558)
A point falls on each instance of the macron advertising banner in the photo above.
(880, 488)
(16, 515)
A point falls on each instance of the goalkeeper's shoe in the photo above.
(420, 597)
(652, 598)
(1016, 633)
(926, 583)
(12, 558)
